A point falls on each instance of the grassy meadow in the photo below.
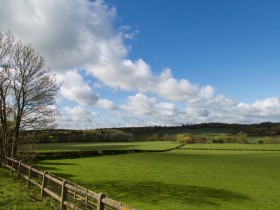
(234, 146)
(14, 195)
(180, 179)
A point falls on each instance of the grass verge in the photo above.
(227, 146)
(14, 195)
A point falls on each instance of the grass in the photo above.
(59, 147)
(226, 146)
(14, 195)
(180, 179)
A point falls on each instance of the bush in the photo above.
(242, 138)
(168, 137)
(154, 137)
(184, 138)
(260, 142)
(238, 138)
(272, 140)
(221, 139)
(187, 138)
(217, 140)
(117, 136)
(199, 139)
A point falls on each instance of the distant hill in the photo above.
(151, 133)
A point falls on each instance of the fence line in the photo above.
(68, 194)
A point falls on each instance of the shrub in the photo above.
(168, 137)
(154, 137)
(184, 138)
(199, 139)
(237, 138)
(223, 138)
(272, 140)
(117, 136)
(187, 138)
(217, 140)
(242, 138)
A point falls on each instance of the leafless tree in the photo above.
(6, 49)
(27, 92)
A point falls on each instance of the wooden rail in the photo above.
(68, 194)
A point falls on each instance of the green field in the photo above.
(60, 147)
(226, 146)
(180, 179)
(14, 195)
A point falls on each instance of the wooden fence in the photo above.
(68, 194)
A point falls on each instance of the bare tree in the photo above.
(27, 93)
(6, 49)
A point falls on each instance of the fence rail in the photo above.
(68, 194)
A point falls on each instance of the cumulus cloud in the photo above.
(261, 109)
(127, 75)
(107, 104)
(80, 34)
(74, 88)
(76, 118)
(67, 33)
(143, 110)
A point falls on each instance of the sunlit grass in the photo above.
(181, 179)
(236, 146)
(15, 195)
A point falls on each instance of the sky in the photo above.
(145, 63)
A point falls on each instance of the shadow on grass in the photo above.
(54, 166)
(57, 164)
(158, 193)
(64, 176)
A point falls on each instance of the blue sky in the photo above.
(222, 43)
(140, 62)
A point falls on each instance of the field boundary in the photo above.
(78, 154)
(253, 150)
(68, 194)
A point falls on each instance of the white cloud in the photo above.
(124, 74)
(80, 34)
(142, 110)
(206, 92)
(166, 109)
(74, 88)
(76, 118)
(107, 104)
(262, 109)
(67, 33)
(139, 105)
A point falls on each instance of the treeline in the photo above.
(159, 133)
(261, 129)
(98, 135)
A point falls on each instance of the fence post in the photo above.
(87, 197)
(44, 183)
(100, 204)
(29, 176)
(6, 161)
(74, 193)
(18, 171)
(63, 195)
(12, 166)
